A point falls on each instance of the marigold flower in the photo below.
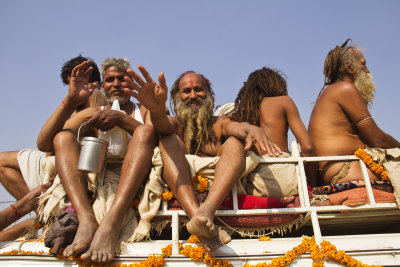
(264, 238)
(167, 195)
(193, 239)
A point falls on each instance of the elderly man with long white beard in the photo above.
(195, 131)
(340, 122)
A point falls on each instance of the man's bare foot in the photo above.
(104, 245)
(202, 224)
(217, 241)
(83, 237)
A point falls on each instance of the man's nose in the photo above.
(193, 95)
(116, 82)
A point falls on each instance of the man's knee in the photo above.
(232, 145)
(9, 159)
(171, 141)
(62, 138)
(145, 133)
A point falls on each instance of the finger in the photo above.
(248, 143)
(88, 71)
(131, 84)
(161, 81)
(136, 77)
(131, 93)
(145, 74)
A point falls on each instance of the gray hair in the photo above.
(122, 64)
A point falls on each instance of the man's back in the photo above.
(331, 128)
(273, 119)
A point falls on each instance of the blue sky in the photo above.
(224, 40)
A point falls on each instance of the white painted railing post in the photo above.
(175, 233)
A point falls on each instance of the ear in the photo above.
(101, 86)
(349, 68)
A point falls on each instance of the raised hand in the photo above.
(150, 94)
(256, 136)
(79, 87)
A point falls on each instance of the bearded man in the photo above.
(340, 122)
(195, 131)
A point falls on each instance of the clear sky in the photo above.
(224, 40)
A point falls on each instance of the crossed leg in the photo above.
(177, 175)
(135, 168)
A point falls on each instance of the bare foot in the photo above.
(217, 241)
(202, 224)
(83, 237)
(104, 245)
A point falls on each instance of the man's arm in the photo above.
(250, 134)
(105, 120)
(79, 92)
(355, 108)
(298, 128)
(153, 97)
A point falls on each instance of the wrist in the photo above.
(69, 104)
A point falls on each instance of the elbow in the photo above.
(44, 146)
(308, 149)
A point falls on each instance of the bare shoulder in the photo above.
(341, 90)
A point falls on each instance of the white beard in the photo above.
(365, 86)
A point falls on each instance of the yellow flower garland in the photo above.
(372, 165)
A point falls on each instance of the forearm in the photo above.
(387, 141)
(14, 212)
(162, 123)
(15, 231)
(53, 125)
(128, 124)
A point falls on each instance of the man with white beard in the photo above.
(340, 122)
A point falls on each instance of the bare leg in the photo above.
(177, 175)
(75, 184)
(227, 171)
(135, 168)
(10, 175)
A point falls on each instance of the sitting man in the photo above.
(340, 122)
(21, 171)
(195, 131)
(102, 241)
(263, 101)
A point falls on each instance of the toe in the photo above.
(94, 257)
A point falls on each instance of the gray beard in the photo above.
(195, 120)
(365, 86)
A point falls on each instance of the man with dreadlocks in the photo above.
(263, 101)
(195, 131)
(340, 122)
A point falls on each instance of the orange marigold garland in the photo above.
(167, 195)
(372, 165)
(326, 252)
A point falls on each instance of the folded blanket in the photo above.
(353, 197)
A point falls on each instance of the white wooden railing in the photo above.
(313, 213)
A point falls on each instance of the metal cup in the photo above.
(93, 154)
